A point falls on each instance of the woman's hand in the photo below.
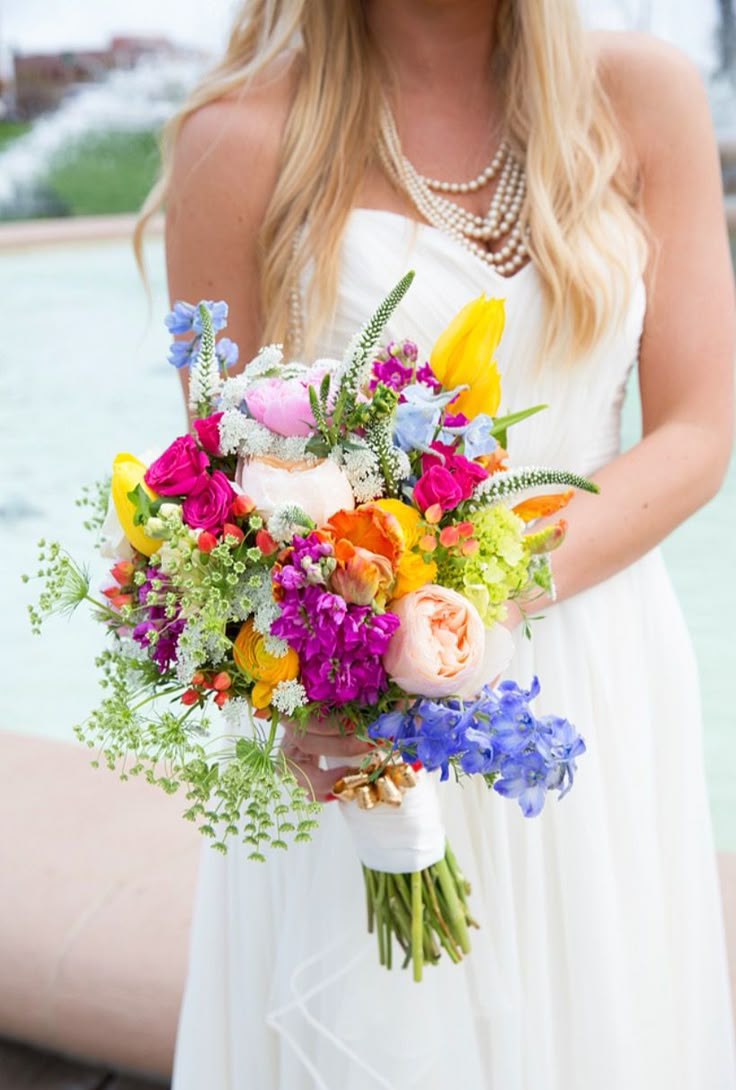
(304, 745)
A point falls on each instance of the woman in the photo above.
(302, 180)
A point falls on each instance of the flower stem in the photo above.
(455, 908)
(417, 914)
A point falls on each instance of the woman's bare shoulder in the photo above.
(236, 137)
(654, 88)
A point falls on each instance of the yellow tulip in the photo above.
(259, 665)
(412, 571)
(127, 473)
(463, 356)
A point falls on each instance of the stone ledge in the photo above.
(98, 888)
(20, 234)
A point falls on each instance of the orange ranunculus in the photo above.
(412, 571)
(495, 461)
(258, 664)
(369, 527)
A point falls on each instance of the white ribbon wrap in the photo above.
(398, 839)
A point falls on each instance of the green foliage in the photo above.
(11, 130)
(94, 500)
(105, 172)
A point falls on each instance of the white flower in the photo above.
(320, 489)
(288, 696)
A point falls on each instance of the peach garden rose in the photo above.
(441, 647)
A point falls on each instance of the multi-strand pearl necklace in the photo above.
(428, 195)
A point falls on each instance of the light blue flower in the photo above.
(182, 353)
(418, 415)
(227, 352)
(184, 317)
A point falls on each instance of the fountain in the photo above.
(136, 99)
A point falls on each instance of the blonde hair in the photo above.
(587, 239)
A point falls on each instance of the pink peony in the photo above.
(208, 432)
(441, 647)
(282, 405)
(180, 471)
(209, 508)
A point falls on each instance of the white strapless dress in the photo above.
(600, 961)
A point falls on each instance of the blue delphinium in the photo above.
(496, 735)
(184, 317)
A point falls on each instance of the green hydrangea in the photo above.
(497, 570)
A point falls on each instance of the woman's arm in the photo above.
(223, 174)
(686, 366)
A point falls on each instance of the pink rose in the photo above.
(209, 508)
(282, 405)
(437, 485)
(208, 432)
(466, 474)
(320, 488)
(441, 647)
(180, 471)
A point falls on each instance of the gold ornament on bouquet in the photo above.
(376, 782)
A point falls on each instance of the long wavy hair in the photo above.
(587, 238)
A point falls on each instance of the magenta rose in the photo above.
(209, 508)
(180, 471)
(465, 473)
(208, 432)
(437, 485)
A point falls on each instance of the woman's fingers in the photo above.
(317, 782)
(328, 744)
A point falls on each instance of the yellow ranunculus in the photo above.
(412, 571)
(463, 356)
(251, 656)
(127, 472)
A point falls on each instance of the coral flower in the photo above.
(413, 571)
(463, 356)
(361, 577)
(127, 473)
(369, 527)
(251, 656)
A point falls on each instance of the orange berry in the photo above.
(231, 530)
(242, 505)
(198, 678)
(266, 543)
(222, 681)
(465, 528)
(206, 542)
(449, 536)
(221, 699)
(428, 543)
(469, 547)
(191, 696)
(433, 514)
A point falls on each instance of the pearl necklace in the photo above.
(502, 220)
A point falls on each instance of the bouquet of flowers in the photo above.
(335, 540)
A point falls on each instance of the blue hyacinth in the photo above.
(496, 735)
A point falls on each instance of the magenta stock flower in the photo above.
(339, 644)
(180, 471)
(209, 508)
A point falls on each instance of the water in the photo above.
(83, 375)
